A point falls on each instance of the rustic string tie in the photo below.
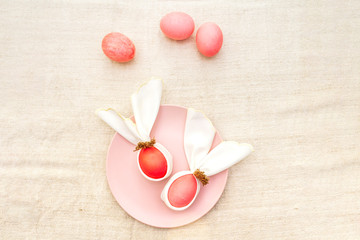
(200, 175)
(143, 145)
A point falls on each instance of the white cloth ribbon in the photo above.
(198, 138)
(145, 104)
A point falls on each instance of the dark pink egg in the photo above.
(182, 191)
(153, 163)
(118, 47)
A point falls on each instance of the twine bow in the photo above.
(143, 145)
(201, 176)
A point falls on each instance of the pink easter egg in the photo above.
(177, 25)
(209, 39)
(153, 163)
(118, 47)
(182, 191)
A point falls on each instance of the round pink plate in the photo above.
(140, 197)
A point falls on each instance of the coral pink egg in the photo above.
(209, 39)
(152, 162)
(177, 25)
(118, 47)
(182, 191)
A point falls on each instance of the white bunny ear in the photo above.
(146, 103)
(198, 137)
(124, 126)
(223, 156)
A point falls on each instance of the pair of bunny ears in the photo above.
(145, 104)
(183, 187)
(198, 138)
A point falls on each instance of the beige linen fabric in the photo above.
(287, 80)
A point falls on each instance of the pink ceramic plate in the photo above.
(140, 197)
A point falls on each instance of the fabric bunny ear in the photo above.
(146, 103)
(223, 156)
(198, 137)
(124, 126)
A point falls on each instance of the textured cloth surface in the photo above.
(287, 80)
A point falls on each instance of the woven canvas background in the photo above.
(287, 80)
